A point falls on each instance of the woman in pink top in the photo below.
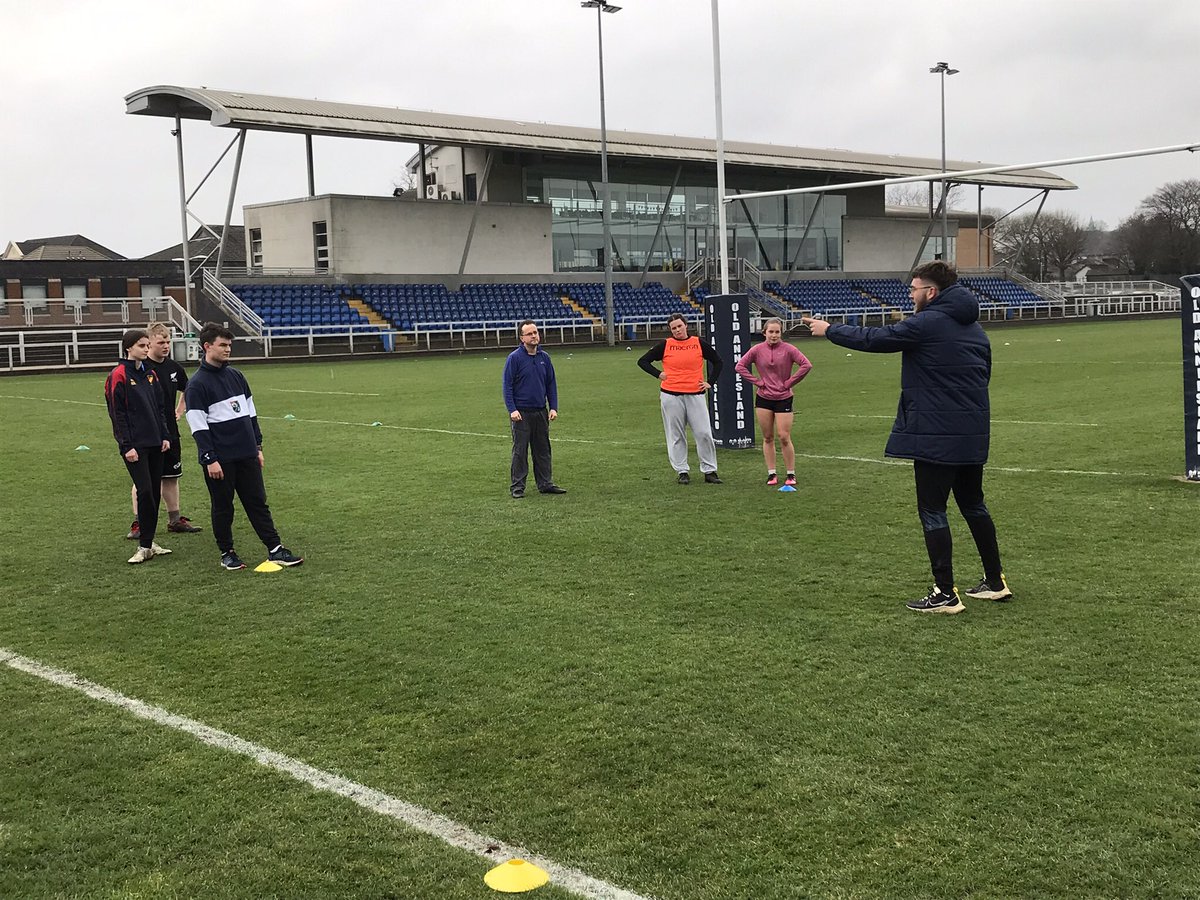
(773, 399)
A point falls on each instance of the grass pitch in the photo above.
(690, 692)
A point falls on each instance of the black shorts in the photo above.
(172, 466)
(775, 406)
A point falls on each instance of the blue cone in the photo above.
(788, 489)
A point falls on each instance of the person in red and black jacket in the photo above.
(135, 405)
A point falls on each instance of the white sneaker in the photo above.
(142, 554)
(156, 550)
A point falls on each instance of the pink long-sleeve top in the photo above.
(774, 363)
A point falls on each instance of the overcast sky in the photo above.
(1040, 80)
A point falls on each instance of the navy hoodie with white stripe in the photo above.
(221, 415)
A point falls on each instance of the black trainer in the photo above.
(552, 489)
(937, 602)
(518, 493)
(284, 557)
(231, 561)
(986, 590)
(685, 478)
(711, 478)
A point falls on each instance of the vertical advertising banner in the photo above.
(731, 401)
(1189, 310)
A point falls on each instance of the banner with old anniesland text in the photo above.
(1190, 314)
(731, 401)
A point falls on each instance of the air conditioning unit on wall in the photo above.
(431, 191)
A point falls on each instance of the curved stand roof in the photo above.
(260, 112)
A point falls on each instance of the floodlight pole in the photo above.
(610, 327)
(722, 244)
(943, 69)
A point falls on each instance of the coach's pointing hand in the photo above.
(817, 326)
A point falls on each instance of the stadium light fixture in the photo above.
(943, 69)
(610, 327)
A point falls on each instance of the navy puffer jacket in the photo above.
(944, 416)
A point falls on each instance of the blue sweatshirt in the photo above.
(220, 412)
(529, 380)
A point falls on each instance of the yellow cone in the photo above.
(515, 876)
(268, 566)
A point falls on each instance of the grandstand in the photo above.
(507, 227)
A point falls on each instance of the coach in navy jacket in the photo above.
(943, 421)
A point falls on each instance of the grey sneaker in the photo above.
(986, 590)
(284, 557)
(937, 602)
(231, 561)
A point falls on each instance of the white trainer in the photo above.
(142, 554)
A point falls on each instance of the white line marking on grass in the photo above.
(483, 434)
(994, 421)
(338, 393)
(447, 830)
(863, 459)
(49, 400)
(1013, 469)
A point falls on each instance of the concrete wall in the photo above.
(882, 244)
(388, 234)
(287, 230)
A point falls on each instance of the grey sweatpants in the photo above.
(678, 412)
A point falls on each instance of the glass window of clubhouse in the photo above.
(767, 232)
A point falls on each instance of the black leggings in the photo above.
(147, 478)
(934, 486)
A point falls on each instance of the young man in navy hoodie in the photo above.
(943, 423)
(224, 424)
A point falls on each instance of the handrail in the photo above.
(232, 304)
(1035, 288)
(1111, 288)
(178, 316)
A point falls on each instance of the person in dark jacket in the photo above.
(531, 396)
(943, 422)
(224, 424)
(135, 405)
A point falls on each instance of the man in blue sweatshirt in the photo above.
(224, 424)
(529, 387)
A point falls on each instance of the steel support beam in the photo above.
(183, 214)
(237, 168)
(661, 219)
(308, 155)
(487, 168)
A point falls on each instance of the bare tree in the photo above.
(1162, 238)
(405, 181)
(1062, 238)
(917, 194)
(1052, 243)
